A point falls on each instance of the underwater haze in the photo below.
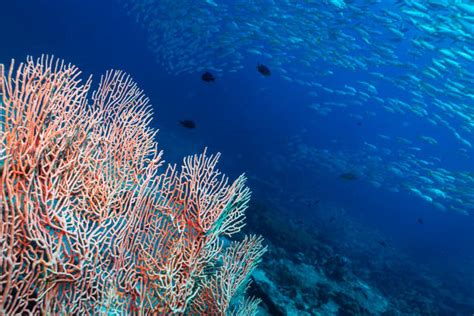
(353, 121)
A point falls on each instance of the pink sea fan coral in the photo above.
(89, 225)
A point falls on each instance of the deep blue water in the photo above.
(251, 119)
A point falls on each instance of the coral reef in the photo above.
(308, 271)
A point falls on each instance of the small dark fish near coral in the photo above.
(208, 77)
(188, 124)
(264, 70)
(348, 176)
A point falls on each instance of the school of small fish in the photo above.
(415, 58)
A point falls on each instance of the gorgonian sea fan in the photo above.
(88, 223)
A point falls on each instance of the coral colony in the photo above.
(92, 223)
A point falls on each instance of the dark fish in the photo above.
(382, 243)
(420, 221)
(188, 124)
(348, 176)
(263, 70)
(359, 123)
(208, 77)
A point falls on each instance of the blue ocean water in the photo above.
(293, 156)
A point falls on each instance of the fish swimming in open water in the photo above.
(188, 124)
(264, 70)
(208, 77)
